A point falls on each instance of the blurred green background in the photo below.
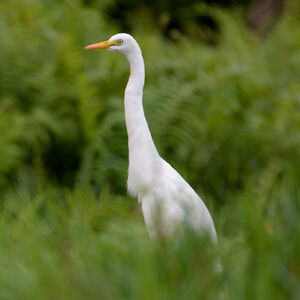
(222, 98)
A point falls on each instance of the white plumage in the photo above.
(167, 199)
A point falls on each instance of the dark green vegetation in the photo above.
(226, 117)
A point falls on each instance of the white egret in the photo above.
(167, 199)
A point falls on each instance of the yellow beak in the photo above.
(101, 45)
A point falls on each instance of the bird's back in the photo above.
(171, 202)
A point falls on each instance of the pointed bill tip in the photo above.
(87, 47)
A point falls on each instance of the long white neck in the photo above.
(142, 152)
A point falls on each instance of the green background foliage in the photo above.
(226, 115)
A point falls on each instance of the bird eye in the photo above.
(119, 42)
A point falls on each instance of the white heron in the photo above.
(167, 199)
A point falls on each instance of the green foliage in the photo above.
(226, 117)
(72, 245)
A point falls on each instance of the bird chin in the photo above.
(111, 50)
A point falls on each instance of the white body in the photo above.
(167, 199)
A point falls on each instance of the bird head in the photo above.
(121, 42)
